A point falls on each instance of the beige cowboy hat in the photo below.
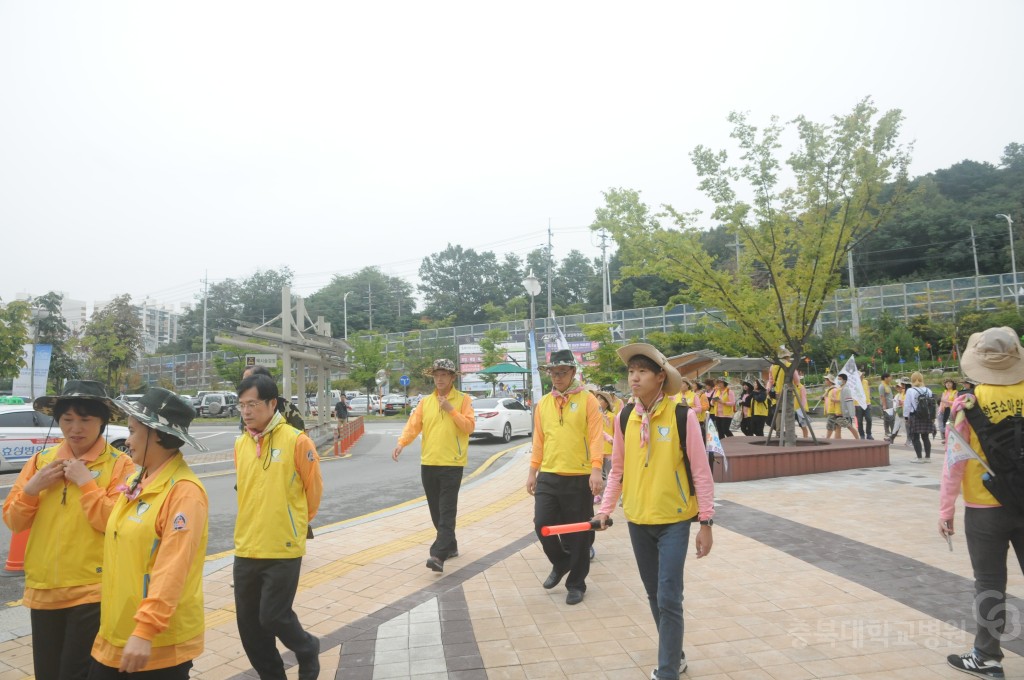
(673, 380)
(994, 357)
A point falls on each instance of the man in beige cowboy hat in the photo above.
(990, 420)
(446, 419)
(565, 471)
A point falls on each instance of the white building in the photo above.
(159, 323)
(75, 312)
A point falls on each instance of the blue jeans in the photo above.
(660, 551)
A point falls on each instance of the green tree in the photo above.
(392, 299)
(368, 356)
(113, 340)
(53, 330)
(229, 368)
(793, 240)
(493, 353)
(457, 283)
(609, 369)
(13, 338)
(573, 280)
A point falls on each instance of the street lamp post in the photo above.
(532, 286)
(38, 314)
(1013, 261)
(344, 301)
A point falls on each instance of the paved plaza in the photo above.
(837, 575)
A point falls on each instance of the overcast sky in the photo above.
(145, 143)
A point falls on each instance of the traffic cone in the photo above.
(16, 554)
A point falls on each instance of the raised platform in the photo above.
(749, 458)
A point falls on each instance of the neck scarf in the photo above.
(258, 436)
(645, 418)
(562, 398)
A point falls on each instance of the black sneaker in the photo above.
(435, 564)
(682, 667)
(575, 596)
(970, 663)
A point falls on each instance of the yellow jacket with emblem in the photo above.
(153, 555)
(279, 490)
(568, 436)
(445, 434)
(64, 555)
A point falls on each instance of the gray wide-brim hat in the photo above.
(673, 379)
(163, 410)
(90, 390)
(994, 357)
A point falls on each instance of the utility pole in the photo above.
(369, 302)
(1013, 262)
(974, 249)
(606, 292)
(854, 312)
(551, 311)
(737, 244)
(206, 297)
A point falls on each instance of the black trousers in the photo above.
(990, 533)
(179, 672)
(564, 499)
(62, 641)
(757, 425)
(864, 422)
(264, 593)
(441, 484)
(724, 426)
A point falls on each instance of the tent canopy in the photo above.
(502, 368)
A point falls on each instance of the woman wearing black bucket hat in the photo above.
(65, 494)
(152, 616)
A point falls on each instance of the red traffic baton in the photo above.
(556, 529)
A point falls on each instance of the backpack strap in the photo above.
(681, 414)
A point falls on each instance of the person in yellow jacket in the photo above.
(565, 472)
(723, 404)
(446, 419)
(279, 491)
(152, 622)
(64, 494)
(989, 421)
(665, 482)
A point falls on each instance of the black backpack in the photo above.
(1003, 445)
(926, 406)
(681, 410)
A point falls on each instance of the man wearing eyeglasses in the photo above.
(279, 490)
(565, 472)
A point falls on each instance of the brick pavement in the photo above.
(838, 575)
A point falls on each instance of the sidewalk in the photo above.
(834, 575)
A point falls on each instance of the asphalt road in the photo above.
(367, 482)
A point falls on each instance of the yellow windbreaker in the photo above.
(445, 435)
(655, 487)
(278, 493)
(568, 440)
(153, 555)
(64, 555)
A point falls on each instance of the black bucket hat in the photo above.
(78, 389)
(162, 410)
(561, 357)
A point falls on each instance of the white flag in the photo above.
(957, 449)
(853, 381)
(713, 444)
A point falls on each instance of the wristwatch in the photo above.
(707, 522)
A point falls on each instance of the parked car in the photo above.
(25, 431)
(217, 405)
(361, 405)
(503, 418)
(393, 403)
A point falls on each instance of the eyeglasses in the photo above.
(249, 405)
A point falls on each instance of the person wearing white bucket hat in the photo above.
(992, 483)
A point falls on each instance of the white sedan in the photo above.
(503, 418)
(25, 431)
